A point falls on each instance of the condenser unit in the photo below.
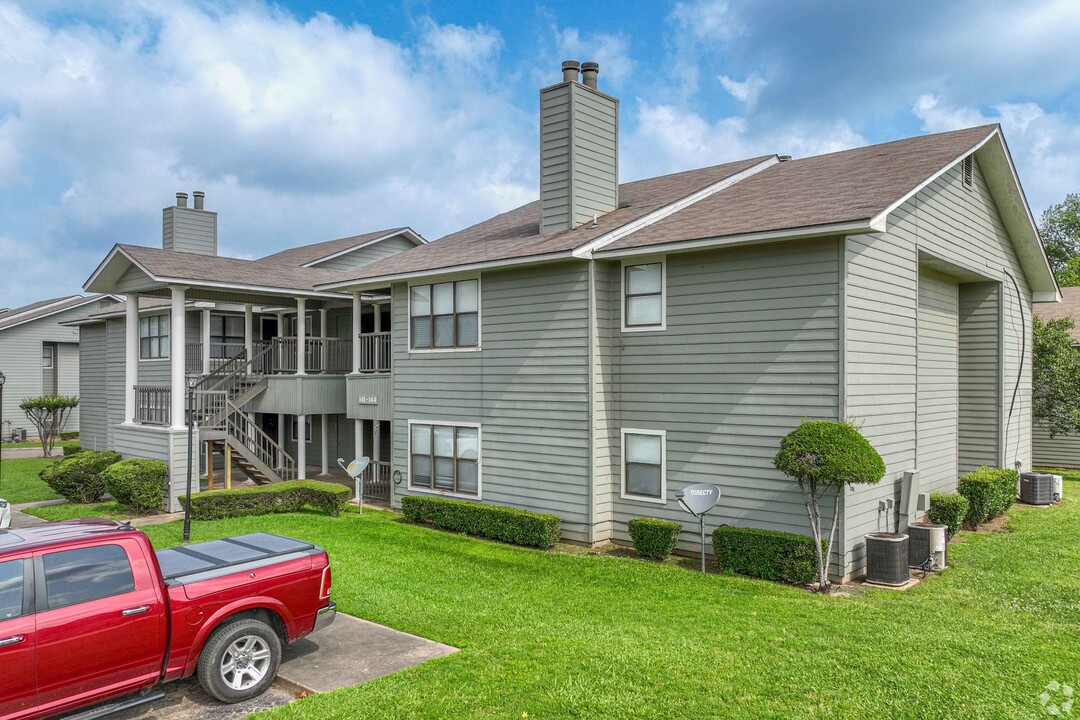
(1037, 488)
(1058, 487)
(926, 540)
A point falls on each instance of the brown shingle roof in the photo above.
(310, 253)
(516, 234)
(1069, 307)
(44, 308)
(850, 185)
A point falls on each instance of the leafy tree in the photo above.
(1060, 231)
(49, 413)
(824, 456)
(1055, 377)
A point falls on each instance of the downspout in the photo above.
(591, 444)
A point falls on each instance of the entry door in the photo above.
(938, 382)
(18, 643)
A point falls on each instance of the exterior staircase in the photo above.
(219, 401)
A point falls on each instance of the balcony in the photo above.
(153, 405)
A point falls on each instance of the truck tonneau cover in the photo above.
(242, 550)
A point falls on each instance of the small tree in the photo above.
(1055, 377)
(824, 456)
(49, 413)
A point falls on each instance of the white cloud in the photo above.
(708, 20)
(456, 45)
(747, 91)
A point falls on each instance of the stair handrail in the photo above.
(245, 431)
(211, 379)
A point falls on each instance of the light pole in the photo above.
(2, 379)
(190, 444)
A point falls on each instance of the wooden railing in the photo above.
(322, 355)
(153, 405)
(375, 352)
(377, 481)
(244, 429)
(193, 358)
(220, 353)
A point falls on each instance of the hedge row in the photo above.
(80, 478)
(510, 525)
(654, 539)
(767, 554)
(989, 491)
(949, 510)
(281, 497)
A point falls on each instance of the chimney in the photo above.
(192, 230)
(579, 161)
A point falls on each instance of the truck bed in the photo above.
(206, 560)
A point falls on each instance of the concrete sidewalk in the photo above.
(350, 652)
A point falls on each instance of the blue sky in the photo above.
(305, 121)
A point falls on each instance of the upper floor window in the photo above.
(154, 337)
(47, 356)
(226, 335)
(643, 296)
(445, 458)
(445, 316)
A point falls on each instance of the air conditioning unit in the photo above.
(1037, 488)
(887, 559)
(926, 540)
(1058, 487)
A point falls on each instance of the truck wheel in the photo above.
(239, 661)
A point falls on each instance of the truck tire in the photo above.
(239, 661)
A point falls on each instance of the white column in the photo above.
(378, 317)
(131, 357)
(249, 329)
(301, 336)
(205, 335)
(301, 446)
(358, 438)
(176, 332)
(376, 441)
(325, 452)
(322, 322)
(357, 306)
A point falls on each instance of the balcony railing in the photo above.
(220, 353)
(375, 352)
(153, 405)
(322, 355)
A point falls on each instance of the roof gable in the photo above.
(47, 308)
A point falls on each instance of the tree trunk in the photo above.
(813, 512)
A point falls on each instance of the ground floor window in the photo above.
(644, 471)
(444, 458)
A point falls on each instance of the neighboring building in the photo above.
(1060, 451)
(591, 353)
(40, 356)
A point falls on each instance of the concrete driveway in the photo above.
(186, 700)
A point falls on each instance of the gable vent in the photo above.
(968, 171)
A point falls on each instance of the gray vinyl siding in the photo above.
(67, 376)
(979, 438)
(957, 231)
(751, 348)
(1060, 451)
(527, 388)
(166, 445)
(937, 397)
(578, 155)
(188, 230)
(93, 408)
(367, 255)
(115, 377)
(605, 427)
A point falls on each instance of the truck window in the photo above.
(11, 589)
(78, 576)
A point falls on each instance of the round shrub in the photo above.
(137, 483)
(825, 452)
(949, 510)
(654, 539)
(79, 478)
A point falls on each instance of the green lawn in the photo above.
(581, 636)
(109, 509)
(36, 444)
(19, 481)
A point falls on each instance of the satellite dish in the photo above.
(698, 499)
(357, 467)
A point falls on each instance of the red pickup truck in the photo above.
(91, 615)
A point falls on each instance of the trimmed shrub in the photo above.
(949, 510)
(73, 435)
(79, 478)
(282, 497)
(767, 554)
(509, 525)
(137, 483)
(990, 492)
(654, 539)
(70, 450)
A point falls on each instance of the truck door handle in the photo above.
(13, 640)
(136, 611)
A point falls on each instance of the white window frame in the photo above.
(479, 316)
(662, 260)
(662, 434)
(168, 344)
(307, 429)
(479, 461)
(51, 350)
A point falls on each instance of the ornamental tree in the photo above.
(824, 456)
(1055, 377)
(49, 414)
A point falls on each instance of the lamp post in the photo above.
(2, 379)
(190, 465)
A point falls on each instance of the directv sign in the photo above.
(699, 499)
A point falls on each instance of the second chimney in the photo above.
(192, 230)
(579, 153)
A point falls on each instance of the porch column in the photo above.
(249, 329)
(301, 336)
(205, 334)
(301, 447)
(358, 438)
(378, 317)
(325, 453)
(177, 330)
(281, 437)
(357, 306)
(322, 322)
(376, 441)
(131, 357)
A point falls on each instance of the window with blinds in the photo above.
(445, 458)
(445, 316)
(643, 296)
